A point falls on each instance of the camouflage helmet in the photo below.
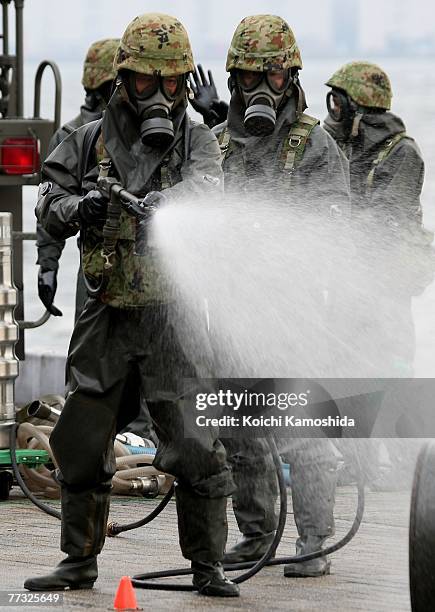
(155, 42)
(366, 83)
(261, 42)
(98, 66)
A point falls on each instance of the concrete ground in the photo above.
(370, 574)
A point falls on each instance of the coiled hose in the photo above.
(127, 480)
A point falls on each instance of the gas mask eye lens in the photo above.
(145, 85)
(248, 79)
(277, 80)
(171, 86)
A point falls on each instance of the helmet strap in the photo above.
(355, 124)
(231, 82)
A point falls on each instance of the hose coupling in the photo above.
(112, 529)
(146, 486)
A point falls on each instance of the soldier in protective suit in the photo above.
(393, 250)
(272, 147)
(393, 259)
(124, 340)
(98, 77)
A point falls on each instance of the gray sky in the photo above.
(63, 30)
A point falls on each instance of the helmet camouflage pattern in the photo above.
(155, 42)
(98, 66)
(261, 42)
(366, 83)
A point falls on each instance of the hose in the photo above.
(44, 507)
(140, 580)
(253, 567)
(126, 461)
(325, 551)
(129, 467)
(22, 432)
(113, 529)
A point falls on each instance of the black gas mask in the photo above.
(343, 110)
(154, 98)
(262, 94)
(97, 99)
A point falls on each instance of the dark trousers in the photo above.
(313, 468)
(142, 424)
(114, 356)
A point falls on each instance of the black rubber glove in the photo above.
(47, 285)
(206, 100)
(93, 208)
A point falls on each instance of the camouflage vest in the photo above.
(384, 152)
(293, 147)
(134, 280)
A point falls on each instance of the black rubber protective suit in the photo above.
(116, 352)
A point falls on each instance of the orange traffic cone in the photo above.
(125, 598)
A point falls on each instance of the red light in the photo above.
(19, 156)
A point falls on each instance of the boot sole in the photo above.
(218, 593)
(308, 574)
(72, 587)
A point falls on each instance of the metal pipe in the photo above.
(41, 410)
(24, 235)
(19, 82)
(8, 331)
(33, 324)
(5, 32)
(57, 91)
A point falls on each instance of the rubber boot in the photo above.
(308, 569)
(210, 580)
(250, 547)
(71, 573)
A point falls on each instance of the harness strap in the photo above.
(89, 143)
(384, 152)
(165, 179)
(224, 142)
(294, 145)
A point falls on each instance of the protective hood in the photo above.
(336, 129)
(376, 128)
(92, 109)
(373, 130)
(135, 163)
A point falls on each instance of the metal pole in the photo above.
(5, 34)
(19, 6)
(57, 95)
(8, 331)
